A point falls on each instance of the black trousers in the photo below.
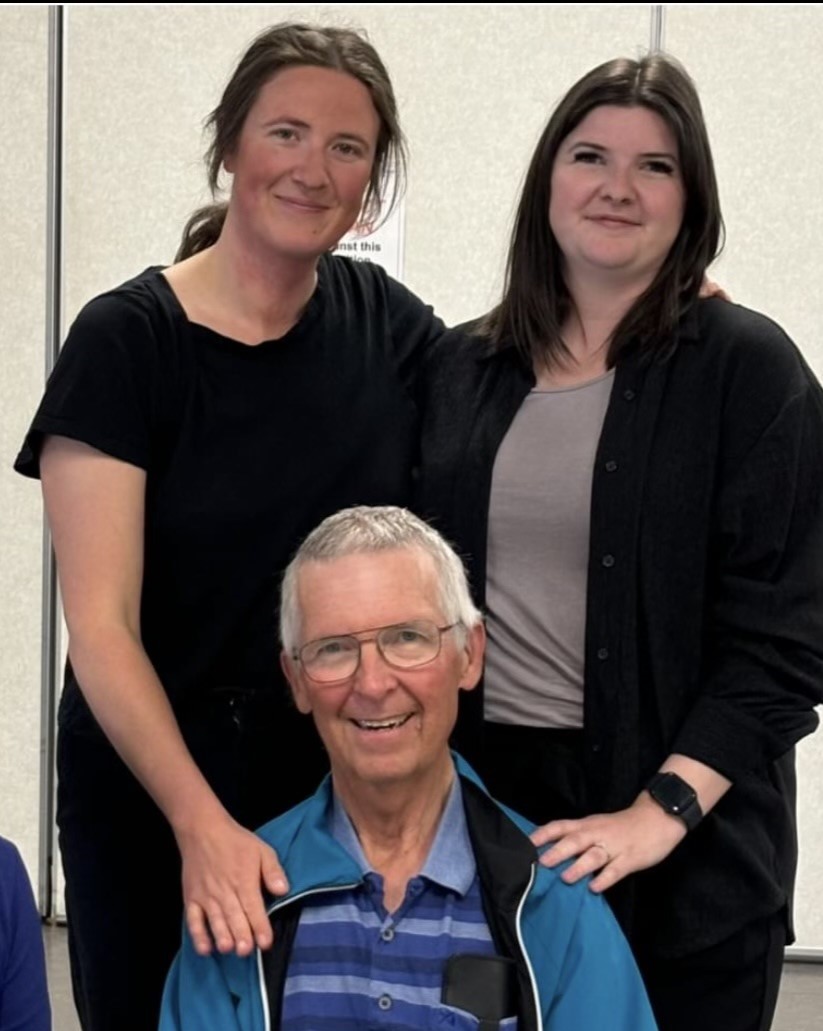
(732, 986)
(123, 892)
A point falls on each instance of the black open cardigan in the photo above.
(704, 625)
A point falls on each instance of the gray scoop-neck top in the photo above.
(538, 552)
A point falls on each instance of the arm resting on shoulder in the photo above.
(95, 507)
(614, 845)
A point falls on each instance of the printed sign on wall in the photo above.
(383, 246)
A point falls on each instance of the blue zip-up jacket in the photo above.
(575, 970)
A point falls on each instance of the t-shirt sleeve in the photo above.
(415, 330)
(105, 387)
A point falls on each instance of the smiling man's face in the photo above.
(382, 725)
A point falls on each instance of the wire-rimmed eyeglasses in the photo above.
(401, 645)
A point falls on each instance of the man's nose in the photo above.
(374, 676)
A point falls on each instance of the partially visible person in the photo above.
(416, 901)
(24, 999)
(633, 474)
(201, 419)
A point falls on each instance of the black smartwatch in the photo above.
(676, 797)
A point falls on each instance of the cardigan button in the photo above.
(628, 395)
(607, 561)
(602, 654)
(611, 466)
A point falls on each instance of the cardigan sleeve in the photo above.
(764, 673)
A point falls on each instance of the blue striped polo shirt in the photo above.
(355, 966)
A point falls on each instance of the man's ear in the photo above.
(298, 692)
(474, 650)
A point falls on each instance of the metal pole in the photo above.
(658, 27)
(50, 633)
(797, 954)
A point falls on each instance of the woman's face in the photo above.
(617, 196)
(303, 161)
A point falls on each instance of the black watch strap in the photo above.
(676, 797)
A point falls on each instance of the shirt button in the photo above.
(602, 654)
(611, 467)
(387, 934)
(607, 561)
(385, 1002)
(628, 395)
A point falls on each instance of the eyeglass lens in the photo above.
(405, 645)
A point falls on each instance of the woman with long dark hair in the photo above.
(633, 474)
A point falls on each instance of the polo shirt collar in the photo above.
(450, 862)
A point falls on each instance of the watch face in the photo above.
(673, 793)
(676, 797)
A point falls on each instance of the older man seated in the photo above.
(415, 900)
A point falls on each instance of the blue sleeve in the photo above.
(586, 974)
(198, 995)
(24, 1000)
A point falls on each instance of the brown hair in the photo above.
(284, 46)
(536, 300)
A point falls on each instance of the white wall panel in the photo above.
(23, 89)
(758, 71)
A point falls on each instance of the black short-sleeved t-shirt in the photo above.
(246, 449)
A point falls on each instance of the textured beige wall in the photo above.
(758, 71)
(762, 102)
(23, 85)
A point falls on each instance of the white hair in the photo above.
(366, 530)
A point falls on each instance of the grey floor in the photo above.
(800, 1007)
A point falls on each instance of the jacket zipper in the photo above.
(321, 889)
(524, 953)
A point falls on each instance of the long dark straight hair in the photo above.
(536, 300)
(286, 46)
